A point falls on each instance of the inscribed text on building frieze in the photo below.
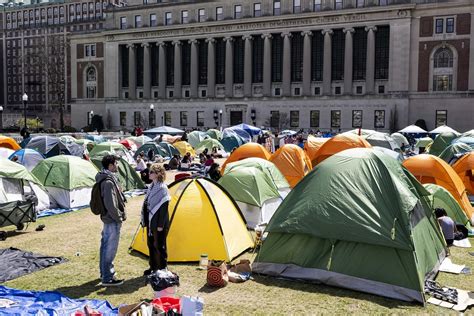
(323, 20)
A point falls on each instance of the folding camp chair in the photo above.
(17, 213)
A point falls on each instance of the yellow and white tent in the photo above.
(203, 220)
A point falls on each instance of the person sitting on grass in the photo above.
(448, 227)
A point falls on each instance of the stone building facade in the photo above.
(328, 65)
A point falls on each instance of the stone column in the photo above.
(307, 63)
(162, 69)
(194, 68)
(327, 62)
(286, 73)
(348, 61)
(267, 65)
(177, 69)
(229, 65)
(211, 67)
(146, 71)
(248, 66)
(370, 70)
(132, 72)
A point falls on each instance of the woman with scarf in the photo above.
(155, 218)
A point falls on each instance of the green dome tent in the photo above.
(400, 139)
(208, 144)
(170, 149)
(454, 151)
(87, 143)
(255, 191)
(157, 150)
(129, 179)
(423, 142)
(267, 166)
(440, 143)
(67, 179)
(195, 137)
(214, 133)
(359, 220)
(440, 197)
(112, 147)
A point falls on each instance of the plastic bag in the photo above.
(162, 279)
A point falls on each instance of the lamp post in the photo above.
(1, 117)
(151, 119)
(216, 118)
(25, 100)
(162, 121)
(91, 114)
(220, 117)
(37, 124)
(253, 116)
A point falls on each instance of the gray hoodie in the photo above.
(114, 200)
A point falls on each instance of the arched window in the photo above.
(443, 69)
(91, 83)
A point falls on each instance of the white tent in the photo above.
(444, 129)
(412, 129)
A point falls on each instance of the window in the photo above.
(167, 118)
(277, 91)
(257, 9)
(317, 5)
(359, 90)
(202, 15)
(152, 118)
(314, 118)
(183, 118)
(89, 50)
(439, 26)
(337, 57)
(123, 118)
(441, 117)
(275, 119)
(200, 118)
(202, 62)
(238, 60)
(297, 57)
(91, 83)
(337, 90)
(357, 118)
(276, 7)
(383, 2)
(317, 90)
(203, 93)
(168, 18)
(123, 22)
(294, 118)
(220, 61)
(257, 60)
(153, 20)
(219, 14)
(379, 118)
(382, 50)
(443, 70)
(317, 56)
(185, 63)
(137, 118)
(338, 4)
(336, 119)
(237, 11)
(296, 6)
(450, 25)
(381, 89)
(277, 58)
(138, 21)
(359, 54)
(184, 16)
(360, 3)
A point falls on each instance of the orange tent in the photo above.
(8, 142)
(464, 167)
(246, 151)
(293, 163)
(339, 143)
(313, 144)
(431, 169)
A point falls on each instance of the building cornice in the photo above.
(301, 22)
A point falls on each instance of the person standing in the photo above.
(155, 218)
(114, 215)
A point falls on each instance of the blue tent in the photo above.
(170, 149)
(162, 130)
(232, 141)
(27, 157)
(51, 146)
(466, 140)
(48, 303)
(236, 131)
(252, 130)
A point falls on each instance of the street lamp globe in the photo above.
(152, 107)
(1, 108)
(25, 97)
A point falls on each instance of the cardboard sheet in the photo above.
(448, 266)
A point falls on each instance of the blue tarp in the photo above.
(57, 211)
(48, 303)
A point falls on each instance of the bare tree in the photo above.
(279, 122)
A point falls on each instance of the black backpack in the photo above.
(97, 203)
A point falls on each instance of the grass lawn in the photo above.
(76, 236)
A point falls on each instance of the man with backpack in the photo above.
(108, 201)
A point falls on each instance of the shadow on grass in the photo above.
(208, 289)
(311, 287)
(84, 290)
(11, 233)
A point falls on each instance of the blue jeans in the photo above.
(108, 250)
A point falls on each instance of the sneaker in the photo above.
(113, 282)
(147, 272)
